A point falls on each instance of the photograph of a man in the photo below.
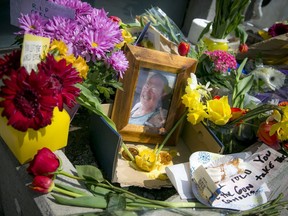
(151, 109)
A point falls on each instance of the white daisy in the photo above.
(273, 79)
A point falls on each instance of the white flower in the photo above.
(193, 84)
(193, 81)
(273, 79)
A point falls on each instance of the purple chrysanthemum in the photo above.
(81, 8)
(61, 28)
(32, 24)
(100, 35)
(118, 62)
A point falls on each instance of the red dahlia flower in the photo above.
(44, 162)
(9, 62)
(42, 184)
(28, 102)
(63, 78)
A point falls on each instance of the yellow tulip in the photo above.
(219, 110)
(146, 160)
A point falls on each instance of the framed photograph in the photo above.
(150, 102)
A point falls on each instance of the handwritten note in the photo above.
(248, 188)
(45, 8)
(34, 49)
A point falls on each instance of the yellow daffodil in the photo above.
(281, 128)
(196, 116)
(219, 110)
(192, 98)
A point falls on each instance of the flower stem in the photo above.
(157, 203)
(254, 113)
(66, 192)
(172, 131)
(128, 152)
(68, 175)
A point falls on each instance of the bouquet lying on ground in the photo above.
(101, 194)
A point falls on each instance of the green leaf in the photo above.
(89, 172)
(241, 34)
(84, 201)
(204, 31)
(92, 103)
(99, 190)
(115, 202)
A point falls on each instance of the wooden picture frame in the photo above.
(142, 62)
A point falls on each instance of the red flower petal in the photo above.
(44, 162)
(183, 48)
(42, 184)
(28, 102)
(263, 133)
(63, 78)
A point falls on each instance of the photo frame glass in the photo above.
(152, 99)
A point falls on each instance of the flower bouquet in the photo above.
(227, 109)
(229, 14)
(93, 36)
(32, 102)
(82, 65)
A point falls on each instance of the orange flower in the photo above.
(263, 133)
(236, 113)
(243, 48)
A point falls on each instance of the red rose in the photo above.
(42, 184)
(243, 48)
(263, 133)
(183, 48)
(44, 162)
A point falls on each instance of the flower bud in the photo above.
(183, 48)
(42, 184)
(44, 162)
(236, 113)
(263, 133)
(115, 19)
(243, 48)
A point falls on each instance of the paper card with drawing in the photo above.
(239, 182)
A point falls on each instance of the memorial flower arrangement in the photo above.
(228, 111)
(83, 65)
(47, 166)
(29, 98)
(93, 36)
